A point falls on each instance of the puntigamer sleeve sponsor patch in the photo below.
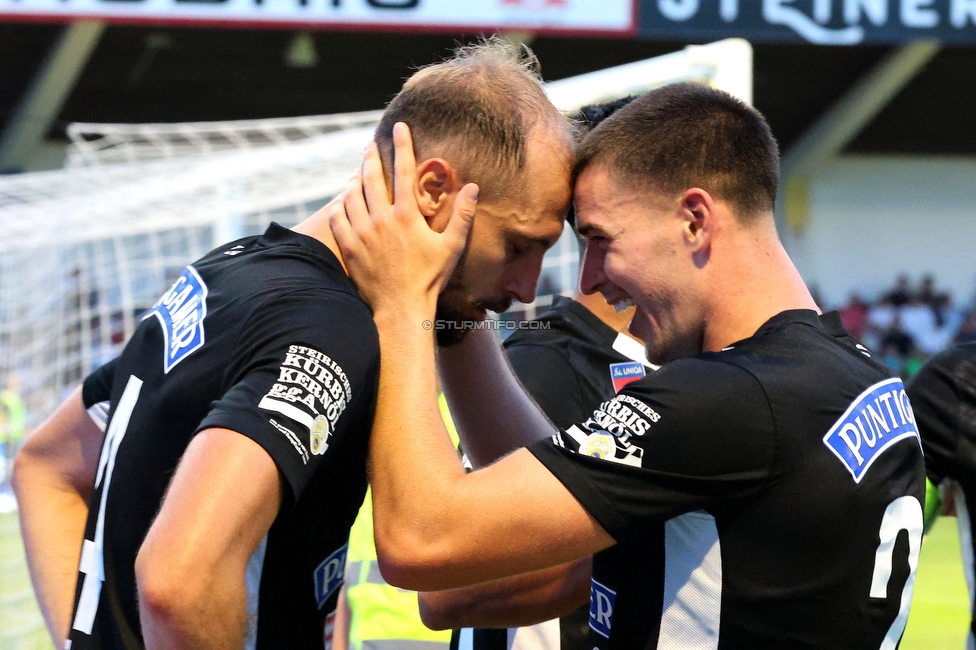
(181, 311)
(312, 390)
(879, 417)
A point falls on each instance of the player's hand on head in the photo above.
(391, 253)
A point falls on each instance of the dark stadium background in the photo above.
(144, 74)
(180, 74)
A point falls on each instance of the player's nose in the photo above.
(522, 286)
(593, 275)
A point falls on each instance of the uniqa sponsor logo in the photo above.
(879, 417)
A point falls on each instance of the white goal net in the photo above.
(87, 249)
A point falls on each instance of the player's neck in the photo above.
(317, 227)
(759, 281)
(605, 312)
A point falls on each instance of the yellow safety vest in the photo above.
(384, 617)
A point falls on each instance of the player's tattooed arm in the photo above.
(510, 602)
(435, 527)
(53, 478)
(190, 570)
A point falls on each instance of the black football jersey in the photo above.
(569, 364)
(943, 394)
(797, 452)
(269, 338)
(573, 361)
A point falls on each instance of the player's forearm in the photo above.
(488, 404)
(510, 602)
(413, 464)
(53, 478)
(52, 521)
(435, 527)
(204, 610)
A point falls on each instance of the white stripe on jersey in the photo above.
(288, 411)
(692, 605)
(631, 349)
(466, 639)
(542, 636)
(99, 414)
(252, 578)
(966, 543)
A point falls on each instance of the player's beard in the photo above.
(456, 305)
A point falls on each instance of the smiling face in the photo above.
(636, 251)
(511, 234)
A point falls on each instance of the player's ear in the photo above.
(435, 188)
(697, 211)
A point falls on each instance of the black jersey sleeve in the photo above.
(97, 386)
(943, 398)
(547, 375)
(303, 382)
(694, 435)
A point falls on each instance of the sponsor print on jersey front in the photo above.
(623, 373)
(608, 432)
(181, 312)
(329, 574)
(879, 417)
(602, 601)
(312, 390)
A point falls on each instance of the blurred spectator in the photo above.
(855, 316)
(926, 291)
(898, 340)
(881, 319)
(901, 294)
(967, 330)
(917, 319)
(906, 327)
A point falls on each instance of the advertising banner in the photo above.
(823, 22)
(556, 16)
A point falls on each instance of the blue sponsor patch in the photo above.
(181, 311)
(623, 373)
(602, 600)
(329, 575)
(879, 417)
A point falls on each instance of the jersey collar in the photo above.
(829, 323)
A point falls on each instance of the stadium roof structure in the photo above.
(166, 74)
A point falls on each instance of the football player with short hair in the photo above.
(798, 447)
(943, 395)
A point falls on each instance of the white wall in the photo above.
(872, 218)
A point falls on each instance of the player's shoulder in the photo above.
(701, 391)
(953, 365)
(800, 349)
(714, 371)
(947, 380)
(280, 260)
(329, 308)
